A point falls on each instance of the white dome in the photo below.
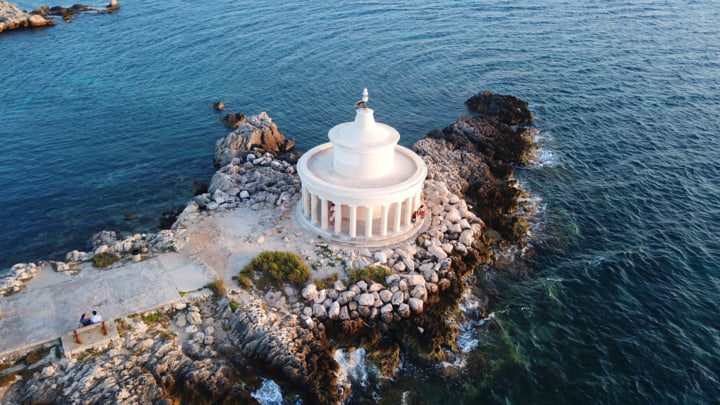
(363, 148)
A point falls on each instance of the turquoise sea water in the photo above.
(111, 114)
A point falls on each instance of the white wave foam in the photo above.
(269, 393)
(353, 367)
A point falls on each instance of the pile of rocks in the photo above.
(420, 271)
(259, 182)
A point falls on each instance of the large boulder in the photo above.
(257, 134)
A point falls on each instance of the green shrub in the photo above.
(218, 288)
(234, 306)
(105, 259)
(373, 273)
(275, 268)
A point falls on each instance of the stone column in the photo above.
(384, 221)
(324, 214)
(417, 200)
(407, 212)
(353, 221)
(398, 211)
(306, 202)
(368, 221)
(313, 209)
(338, 218)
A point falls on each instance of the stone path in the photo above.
(52, 308)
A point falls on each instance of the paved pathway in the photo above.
(53, 309)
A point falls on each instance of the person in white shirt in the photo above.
(95, 318)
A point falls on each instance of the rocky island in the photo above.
(11, 17)
(330, 299)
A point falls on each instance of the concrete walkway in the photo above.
(52, 304)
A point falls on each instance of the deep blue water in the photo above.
(111, 114)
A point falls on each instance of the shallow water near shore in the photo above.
(111, 115)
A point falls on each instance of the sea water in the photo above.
(106, 122)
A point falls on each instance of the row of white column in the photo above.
(318, 211)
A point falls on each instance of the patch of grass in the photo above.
(234, 306)
(152, 318)
(94, 352)
(103, 260)
(273, 268)
(165, 335)
(218, 288)
(36, 355)
(122, 326)
(322, 249)
(373, 273)
(327, 281)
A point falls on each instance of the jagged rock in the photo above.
(345, 297)
(467, 238)
(219, 106)
(194, 318)
(334, 310)
(414, 279)
(375, 287)
(437, 251)
(319, 312)
(310, 292)
(419, 292)
(103, 238)
(381, 257)
(386, 296)
(344, 313)
(257, 134)
(366, 299)
(416, 305)
(507, 109)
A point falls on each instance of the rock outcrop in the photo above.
(475, 158)
(257, 134)
(506, 109)
(11, 17)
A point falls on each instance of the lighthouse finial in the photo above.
(363, 103)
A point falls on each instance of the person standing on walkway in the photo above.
(95, 318)
(283, 208)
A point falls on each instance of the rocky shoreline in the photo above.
(196, 351)
(11, 17)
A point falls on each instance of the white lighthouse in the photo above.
(361, 188)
